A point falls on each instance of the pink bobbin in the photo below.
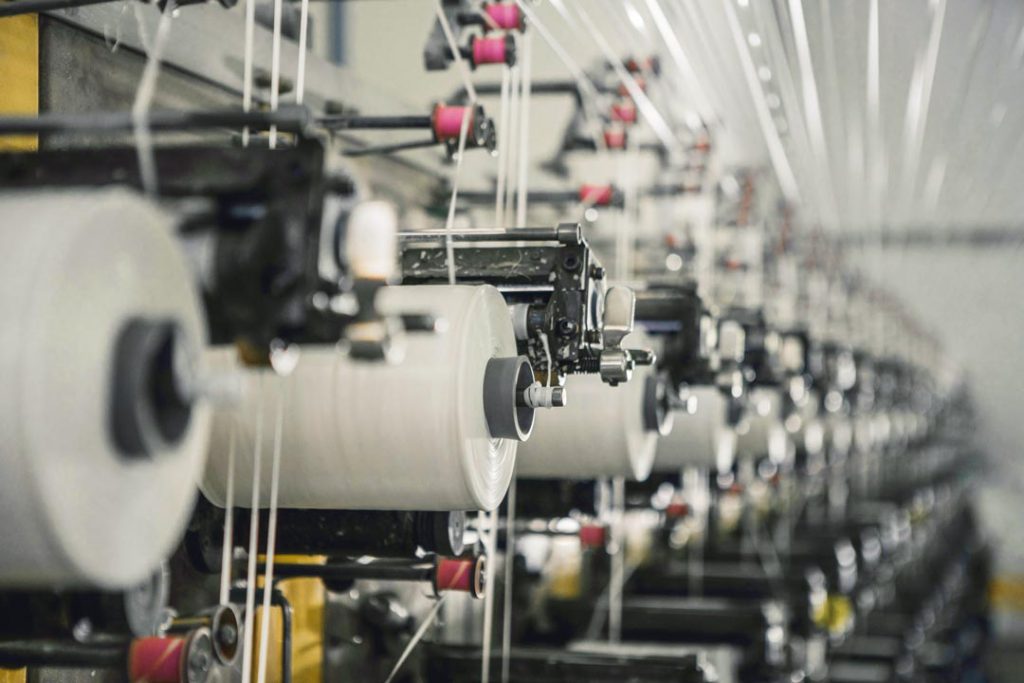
(465, 575)
(615, 138)
(156, 660)
(448, 122)
(592, 536)
(624, 112)
(596, 195)
(489, 50)
(505, 16)
(677, 509)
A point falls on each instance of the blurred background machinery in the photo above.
(533, 340)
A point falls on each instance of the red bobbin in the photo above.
(156, 660)
(677, 509)
(462, 574)
(592, 536)
(169, 659)
(447, 122)
(493, 50)
(596, 195)
(505, 16)
(615, 138)
(624, 112)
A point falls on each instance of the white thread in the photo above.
(776, 150)
(597, 617)
(254, 530)
(812, 105)
(917, 111)
(617, 578)
(510, 556)
(300, 77)
(268, 572)
(512, 151)
(275, 70)
(140, 23)
(675, 48)
(144, 100)
(117, 30)
(250, 29)
(463, 129)
(467, 81)
(503, 143)
(586, 87)
(420, 632)
(491, 546)
(524, 130)
(643, 103)
(229, 521)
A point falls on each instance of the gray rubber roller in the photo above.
(505, 380)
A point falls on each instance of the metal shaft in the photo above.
(384, 571)
(345, 122)
(286, 118)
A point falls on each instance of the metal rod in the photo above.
(384, 571)
(293, 119)
(512, 235)
(63, 653)
(346, 122)
(536, 88)
(541, 196)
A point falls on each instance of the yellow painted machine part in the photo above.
(307, 598)
(19, 77)
(840, 615)
(1006, 592)
(13, 675)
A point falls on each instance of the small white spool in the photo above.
(77, 266)
(704, 439)
(599, 433)
(373, 435)
(765, 434)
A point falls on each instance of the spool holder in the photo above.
(444, 123)
(171, 659)
(678, 315)
(506, 407)
(492, 17)
(225, 625)
(549, 272)
(150, 410)
(657, 408)
(483, 50)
